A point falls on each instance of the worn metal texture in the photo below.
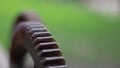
(30, 35)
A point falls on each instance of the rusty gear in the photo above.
(33, 37)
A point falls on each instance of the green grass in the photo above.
(82, 34)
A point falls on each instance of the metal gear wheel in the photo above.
(32, 36)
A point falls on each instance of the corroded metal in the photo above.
(31, 36)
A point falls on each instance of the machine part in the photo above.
(32, 36)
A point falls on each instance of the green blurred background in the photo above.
(88, 39)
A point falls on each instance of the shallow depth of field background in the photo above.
(88, 38)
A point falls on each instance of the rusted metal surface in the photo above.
(31, 36)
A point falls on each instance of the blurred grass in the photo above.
(82, 34)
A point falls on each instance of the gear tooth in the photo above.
(36, 26)
(54, 61)
(31, 23)
(43, 39)
(59, 66)
(50, 53)
(32, 30)
(40, 34)
(38, 29)
(47, 45)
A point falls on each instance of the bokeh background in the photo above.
(88, 31)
